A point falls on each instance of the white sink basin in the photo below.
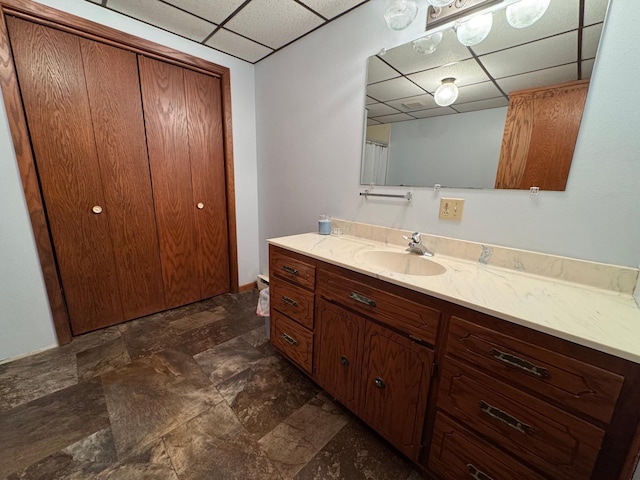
(405, 263)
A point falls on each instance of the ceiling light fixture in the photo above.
(473, 31)
(446, 93)
(526, 12)
(427, 45)
(400, 13)
(439, 3)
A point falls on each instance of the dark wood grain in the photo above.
(300, 350)
(206, 154)
(163, 100)
(50, 73)
(291, 268)
(116, 110)
(31, 186)
(295, 302)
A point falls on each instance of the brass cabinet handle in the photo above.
(291, 270)
(289, 339)
(505, 418)
(378, 382)
(477, 474)
(518, 362)
(344, 361)
(362, 299)
(289, 301)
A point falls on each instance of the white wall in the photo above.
(453, 150)
(310, 99)
(25, 320)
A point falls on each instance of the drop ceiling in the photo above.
(560, 47)
(247, 29)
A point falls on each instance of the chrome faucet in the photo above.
(416, 246)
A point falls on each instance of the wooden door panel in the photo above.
(163, 100)
(114, 96)
(50, 73)
(206, 154)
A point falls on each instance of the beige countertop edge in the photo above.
(600, 319)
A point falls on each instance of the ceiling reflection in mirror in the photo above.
(412, 141)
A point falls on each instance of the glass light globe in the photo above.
(526, 12)
(400, 13)
(428, 44)
(447, 93)
(439, 3)
(473, 31)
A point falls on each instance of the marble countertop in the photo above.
(604, 320)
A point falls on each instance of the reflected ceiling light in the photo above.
(473, 31)
(447, 93)
(400, 13)
(428, 44)
(526, 12)
(439, 3)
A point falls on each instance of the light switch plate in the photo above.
(451, 208)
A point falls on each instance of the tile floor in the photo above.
(193, 393)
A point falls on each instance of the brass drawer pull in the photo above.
(289, 339)
(517, 362)
(477, 474)
(291, 270)
(289, 301)
(362, 299)
(344, 361)
(505, 418)
(378, 382)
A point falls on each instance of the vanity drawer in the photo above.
(555, 441)
(295, 341)
(295, 302)
(419, 321)
(294, 270)
(457, 454)
(570, 382)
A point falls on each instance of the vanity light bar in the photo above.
(443, 18)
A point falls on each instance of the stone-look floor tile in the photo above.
(300, 437)
(36, 376)
(81, 460)
(33, 431)
(148, 463)
(257, 337)
(197, 320)
(93, 339)
(148, 335)
(101, 359)
(227, 359)
(266, 393)
(416, 475)
(151, 396)
(356, 453)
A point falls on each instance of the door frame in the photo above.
(67, 22)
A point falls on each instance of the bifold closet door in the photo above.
(87, 135)
(183, 117)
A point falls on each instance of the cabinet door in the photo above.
(396, 375)
(338, 352)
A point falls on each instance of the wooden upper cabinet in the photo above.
(540, 136)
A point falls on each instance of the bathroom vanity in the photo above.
(472, 370)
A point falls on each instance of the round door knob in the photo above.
(97, 209)
(200, 205)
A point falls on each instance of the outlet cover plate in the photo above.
(451, 208)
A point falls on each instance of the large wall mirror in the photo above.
(482, 140)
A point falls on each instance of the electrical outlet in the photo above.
(451, 208)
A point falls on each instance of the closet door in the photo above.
(184, 136)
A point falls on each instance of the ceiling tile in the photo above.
(425, 100)
(164, 16)
(378, 109)
(539, 78)
(378, 71)
(587, 68)
(407, 60)
(258, 18)
(331, 8)
(96, 1)
(546, 53)
(214, 11)
(594, 11)
(371, 121)
(465, 73)
(393, 89)
(398, 117)
(478, 91)
(561, 16)
(238, 46)
(481, 105)
(369, 101)
(434, 112)
(590, 40)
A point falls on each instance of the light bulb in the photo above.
(439, 3)
(447, 93)
(428, 44)
(526, 12)
(400, 13)
(473, 31)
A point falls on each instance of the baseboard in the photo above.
(247, 287)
